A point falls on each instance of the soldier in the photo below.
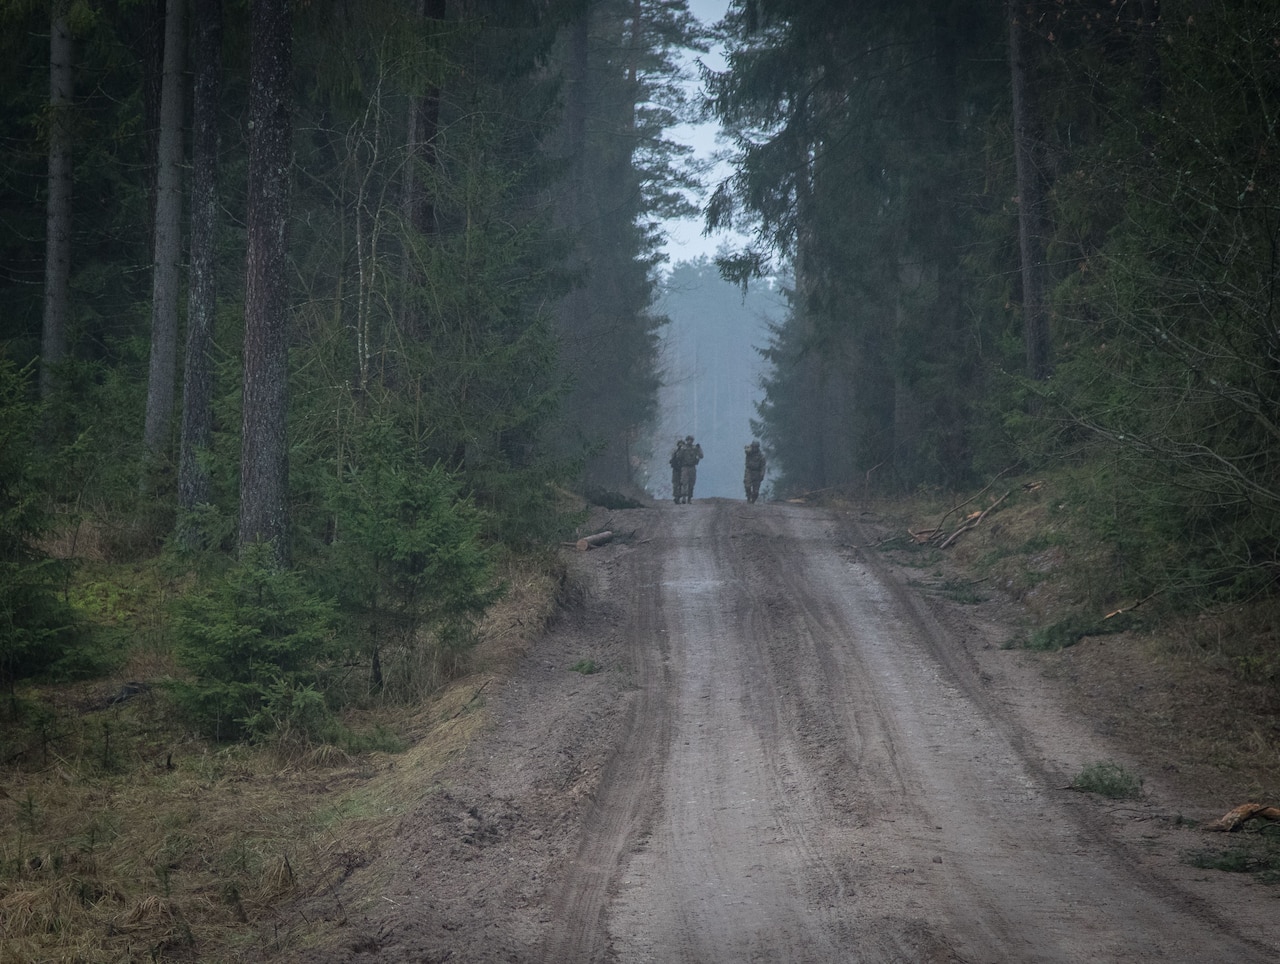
(676, 461)
(753, 474)
(691, 455)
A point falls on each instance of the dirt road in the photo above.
(790, 756)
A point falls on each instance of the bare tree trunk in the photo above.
(417, 200)
(1032, 221)
(908, 408)
(424, 123)
(167, 256)
(264, 460)
(57, 272)
(1149, 57)
(197, 382)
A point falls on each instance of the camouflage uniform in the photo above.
(676, 461)
(691, 455)
(753, 474)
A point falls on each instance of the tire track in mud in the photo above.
(810, 772)
(630, 783)
(1017, 873)
(725, 874)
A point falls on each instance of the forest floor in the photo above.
(783, 732)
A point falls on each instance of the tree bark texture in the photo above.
(197, 382)
(167, 250)
(57, 272)
(424, 124)
(1031, 199)
(264, 461)
(418, 200)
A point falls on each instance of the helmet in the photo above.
(688, 438)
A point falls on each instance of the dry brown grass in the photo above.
(122, 838)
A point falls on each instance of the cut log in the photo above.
(592, 541)
(1233, 820)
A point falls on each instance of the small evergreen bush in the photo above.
(257, 644)
(407, 564)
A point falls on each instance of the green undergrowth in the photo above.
(1082, 564)
(128, 833)
(1108, 779)
(1184, 675)
(1255, 851)
(1074, 627)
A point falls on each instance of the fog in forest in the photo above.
(711, 371)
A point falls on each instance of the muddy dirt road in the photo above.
(789, 756)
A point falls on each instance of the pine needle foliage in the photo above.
(258, 643)
(35, 621)
(407, 564)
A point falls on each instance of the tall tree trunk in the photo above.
(811, 367)
(424, 123)
(1032, 221)
(167, 251)
(197, 382)
(572, 201)
(417, 200)
(908, 408)
(57, 272)
(1148, 50)
(264, 460)
(576, 98)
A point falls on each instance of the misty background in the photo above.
(711, 374)
(710, 360)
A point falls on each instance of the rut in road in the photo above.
(804, 779)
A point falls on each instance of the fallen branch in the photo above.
(1233, 820)
(973, 521)
(973, 498)
(1129, 609)
(474, 697)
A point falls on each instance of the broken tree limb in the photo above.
(973, 498)
(972, 522)
(1233, 820)
(1128, 609)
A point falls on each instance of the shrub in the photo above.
(256, 643)
(35, 621)
(1110, 780)
(1073, 628)
(407, 564)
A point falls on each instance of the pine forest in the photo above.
(321, 313)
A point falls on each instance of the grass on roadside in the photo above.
(1256, 852)
(1108, 779)
(123, 837)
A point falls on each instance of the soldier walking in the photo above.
(676, 462)
(690, 456)
(753, 473)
